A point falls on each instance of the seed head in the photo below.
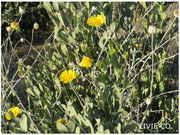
(36, 26)
(152, 29)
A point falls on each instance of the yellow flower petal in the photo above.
(14, 110)
(63, 121)
(96, 21)
(15, 25)
(7, 116)
(86, 62)
(67, 76)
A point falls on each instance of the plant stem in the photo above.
(167, 30)
(152, 67)
(77, 95)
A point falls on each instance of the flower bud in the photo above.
(28, 67)
(176, 13)
(36, 26)
(148, 101)
(21, 10)
(152, 29)
(8, 29)
(55, 36)
(125, 18)
(22, 40)
(58, 103)
(93, 8)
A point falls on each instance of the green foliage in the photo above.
(110, 96)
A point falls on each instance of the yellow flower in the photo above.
(136, 45)
(86, 62)
(15, 25)
(96, 21)
(14, 110)
(67, 76)
(16, 50)
(63, 121)
(137, 19)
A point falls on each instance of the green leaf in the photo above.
(36, 91)
(102, 39)
(100, 129)
(101, 81)
(164, 54)
(113, 26)
(29, 81)
(158, 76)
(61, 18)
(125, 54)
(114, 60)
(98, 121)
(162, 8)
(143, 4)
(47, 6)
(163, 16)
(19, 130)
(37, 102)
(25, 122)
(47, 113)
(161, 86)
(72, 111)
(71, 126)
(118, 129)
(61, 128)
(29, 91)
(64, 49)
(107, 131)
(77, 130)
(70, 18)
(144, 77)
(56, 6)
(87, 4)
(126, 82)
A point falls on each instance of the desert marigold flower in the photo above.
(63, 121)
(14, 110)
(15, 25)
(67, 76)
(137, 19)
(96, 21)
(86, 62)
(8, 29)
(136, 45)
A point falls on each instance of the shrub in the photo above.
(104, 69)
